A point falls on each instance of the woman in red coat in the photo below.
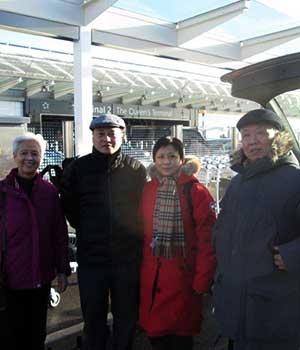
(178, 259)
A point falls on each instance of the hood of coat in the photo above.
(282, 144)
(191, 166)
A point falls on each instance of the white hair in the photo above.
(29, 136)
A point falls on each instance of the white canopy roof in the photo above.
(222, 33)
(177, 62)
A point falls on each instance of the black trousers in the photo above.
(23, 324)
(171, 342)
(96, 283)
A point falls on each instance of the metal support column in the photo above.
(83, 92)
(234, 138)
(68, 141)
(177, 131)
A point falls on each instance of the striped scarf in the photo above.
(168, 233)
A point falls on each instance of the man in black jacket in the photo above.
(101, 193)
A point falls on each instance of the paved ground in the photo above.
(66, 339)
(68, 312)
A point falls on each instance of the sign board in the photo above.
(36, 107)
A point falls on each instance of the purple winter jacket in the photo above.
(37, 237)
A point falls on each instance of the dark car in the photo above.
(267, 83)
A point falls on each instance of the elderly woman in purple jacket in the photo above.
(36, 246)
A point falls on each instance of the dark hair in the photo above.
(168, 141)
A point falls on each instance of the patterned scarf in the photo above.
(168, 233)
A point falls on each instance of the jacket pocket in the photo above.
(272, 307)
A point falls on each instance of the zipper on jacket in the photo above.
(186, 265)
(110, 208)
(154, 288)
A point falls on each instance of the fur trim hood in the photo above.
(191, 166)
(282, 144)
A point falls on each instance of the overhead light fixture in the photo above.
(20, 80)
(99, 95)
(131, 91)
(44, 88)
(107, 88)
(144, 97)
(52, 82)
(180, 99)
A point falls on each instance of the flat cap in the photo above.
(107, 121)
(260, 116)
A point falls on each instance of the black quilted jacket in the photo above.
(101, 196)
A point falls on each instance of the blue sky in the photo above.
(258, 20)
(35, 41)
(171, 10)
(174, 11)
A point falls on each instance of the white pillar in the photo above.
(83, 92)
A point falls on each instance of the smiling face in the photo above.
(28, 158)
(257, 140)
(107, 140)
(167, 160)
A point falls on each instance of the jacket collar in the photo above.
(111, 160)
(10, 182)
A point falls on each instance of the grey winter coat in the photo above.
(254, 301)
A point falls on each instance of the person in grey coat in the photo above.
(257, 284)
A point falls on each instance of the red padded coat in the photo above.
(173, 304)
